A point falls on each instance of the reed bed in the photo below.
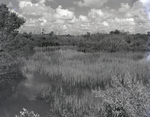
(89, 84)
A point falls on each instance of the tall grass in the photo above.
(75, 77)
(77, 68)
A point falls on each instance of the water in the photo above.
(14, 105)
(24, 95)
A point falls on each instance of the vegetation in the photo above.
(9, 22)
(9, 68)
(26, 113)
(91, 84)
(91, 75)
(112, 42)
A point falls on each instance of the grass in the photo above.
(74, 78)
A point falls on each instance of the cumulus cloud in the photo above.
(83, 18)
(31, 22)
(29, 8)
(96, 13)
(23, 4)
(105, 23)
(137, 12)
(124, 7)
(146, 4)
(49, 17)
(133, 19)
(42, 1)
(91, 3)
(64, 13)
(42, 21)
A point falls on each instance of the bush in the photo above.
(128, 94)
(26, 113)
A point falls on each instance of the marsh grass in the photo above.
(75, 77)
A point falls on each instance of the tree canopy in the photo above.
(9, 21)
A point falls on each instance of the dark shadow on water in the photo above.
(15, 104)
(15, 96)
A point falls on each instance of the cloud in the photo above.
(64, 14)
(140, 16)
(50, 19)
(29, 8)
(145, 2)
(124, 7)
(91, 3)
(31, 22)
(71, 8)
(146, 5)
(83, 18)
(95, 13)
(50, 0)
(42, 1)
(105, 23)
(42, 21)
(23, 4)
(10, 5)
(18, 14)
(63, 21)
(137, 12)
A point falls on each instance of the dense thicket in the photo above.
(91, 42)
(9, 69)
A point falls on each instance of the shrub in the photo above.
(26, 113)
(130, 95)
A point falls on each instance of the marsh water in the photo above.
(40, 71)
(24, 95)
(21, 94)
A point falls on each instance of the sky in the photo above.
(82, 16)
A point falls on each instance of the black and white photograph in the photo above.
(74, 58)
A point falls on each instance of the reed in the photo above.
(89, 84)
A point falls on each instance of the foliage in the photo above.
(9, 67)
(115, 42)
(115, 32)
(26, 113)
(96, 42)
(87, 35)
(51, 34)
(9, 22)
(115, 78)
(20, 46)
(10, 75)
(128, 95)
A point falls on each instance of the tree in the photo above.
(88, 34)
(9, 22)
(9, 69)
(51, 34)
(115, 32)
